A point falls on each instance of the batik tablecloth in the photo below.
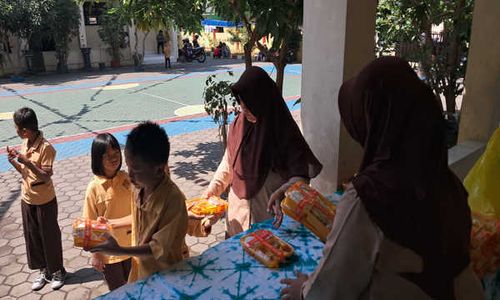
(225, 271)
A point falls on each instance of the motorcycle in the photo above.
(191, 54)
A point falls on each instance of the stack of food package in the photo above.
(307, 206)
(267, 248)
(211, 206)
(89, 233)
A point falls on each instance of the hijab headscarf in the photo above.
(404, 181)
(274, 142)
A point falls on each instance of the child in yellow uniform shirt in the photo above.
(109, 195)
(159, 214)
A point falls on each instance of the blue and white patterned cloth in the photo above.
(225, 271)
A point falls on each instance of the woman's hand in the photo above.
(207, 194)
(293, 289)
(274, 204)
(97, 262)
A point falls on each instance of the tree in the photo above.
(34, 20)
(24, 20)
(159, 14)
(406, 26)
(276, 20)
(218, 98)
(111, 32)
(62, 22)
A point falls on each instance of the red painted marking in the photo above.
(81, 136)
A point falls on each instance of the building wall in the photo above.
(99, 53)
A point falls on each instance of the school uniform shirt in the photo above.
(41, 154)
(166, 50)
(161, 222)
(110, 198)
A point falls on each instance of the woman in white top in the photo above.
(402, 229)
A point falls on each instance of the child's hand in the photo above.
(97, 262)
(11, 154)
(192, 215)
(21, 158)
(110, 247)
(102, 220)
(212, 219)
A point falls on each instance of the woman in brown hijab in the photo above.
(402, 229)
(266, 153)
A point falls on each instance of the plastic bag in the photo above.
(483, 181)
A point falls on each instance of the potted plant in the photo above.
(218, 100)
(111, 33)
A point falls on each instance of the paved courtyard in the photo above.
(69, 117)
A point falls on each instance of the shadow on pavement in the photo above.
(6, 202)
(82, 276)
(205, 157)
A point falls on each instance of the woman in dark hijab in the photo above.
(266, 153)
(402, 229)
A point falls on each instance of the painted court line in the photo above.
(166, 99)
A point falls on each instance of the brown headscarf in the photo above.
(274, 142)
(404, 181)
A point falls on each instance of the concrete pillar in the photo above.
(82, 33)
(339, 40)
(481, 105)
(131, 37)
(174, 54)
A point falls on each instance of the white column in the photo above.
(82, 34)
(174, 53)
(131, 37)
(481, 105)
(339, 39)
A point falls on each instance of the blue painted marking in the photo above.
(82, 147)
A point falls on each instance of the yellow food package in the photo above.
(483, 180)
(211, 206)
(485, 245)
(267, 248)
(89, 233)
(307, 206)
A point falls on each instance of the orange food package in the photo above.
(267, 248)
(307, 206)
(485, 244)
(211, 206)
(89, 233)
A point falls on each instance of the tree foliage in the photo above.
(405, 26)
(36, 19)
(62, 24)
(219, 102)
(112, 33)
(152, 15)
(276, 20)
